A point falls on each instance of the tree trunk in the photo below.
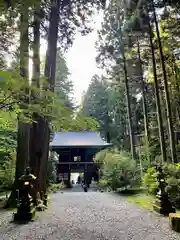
(146, 127)
(158, 106)
(22, 158)
(168, 104)
(36, 138)
(23, 133)
(108, 138)
(177, 87)
(129, 112)
(40, 130)
(50, 65)
(41, 151)
(50, 70)
(36, 47)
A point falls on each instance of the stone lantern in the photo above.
(162, 203)
(25, 206)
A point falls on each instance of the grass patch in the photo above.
(140, 197)
(55, 188)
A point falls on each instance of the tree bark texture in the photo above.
(23, 131)
(158, 106)
(50, 70)
(129, 112)
(36, 138)
(50, 65)
(166, 91)
(146, 127)
(22, 158)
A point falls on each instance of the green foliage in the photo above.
(104, 100)
(172, 175)
(141, 198)
(118, 169)
(13, 96)
(7, 172)
(51, 169)
(8, 141)
(56, 187)
(101, 156)
(17, 95)
(79, 122)
(8, 28)
(154, 152)
(20, 100)
(150, 181)
(103, 184)
(173, 190)
(7, 134)
(96, 104)
(124, 27)
(63, 85)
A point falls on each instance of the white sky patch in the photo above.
(81, 59)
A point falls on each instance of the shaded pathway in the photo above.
(90, 216)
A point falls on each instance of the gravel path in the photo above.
(89, 216)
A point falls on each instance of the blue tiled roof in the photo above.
(72, 139)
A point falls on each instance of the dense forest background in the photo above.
(137, 101)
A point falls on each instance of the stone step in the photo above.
(174, 219)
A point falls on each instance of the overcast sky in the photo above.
(81, 59)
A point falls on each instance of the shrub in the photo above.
(7, 173)
(150, 181)
(172, 172)
(56, 187)
(118, 169)
(101, 156)
(173, 190)
(103, 184)
(172, 175)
